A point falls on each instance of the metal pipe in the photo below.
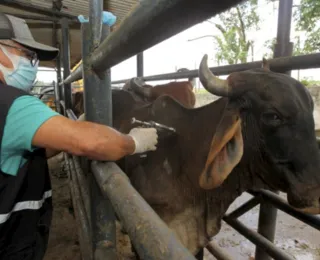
(281, 64)
(150, 236)
(244, 208)
(80, 216)
(218, 252)
(58, 65)
(63, 105)
(82, 182)
(283, 46)
(266, 227)
(268, 214)
(34, 17)
(74, 76)
(148, 24)
(140, 64)
(258, 239)
(56, 97)
(98, 108)
(36, 9)
(311, 220)
(95, 21)
(66, 62)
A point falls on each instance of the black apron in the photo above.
(25, 199)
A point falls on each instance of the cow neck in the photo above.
(243, 178)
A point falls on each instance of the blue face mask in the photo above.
(23, 73)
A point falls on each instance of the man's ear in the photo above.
(225, 152)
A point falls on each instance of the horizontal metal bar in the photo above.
(218, 252)
(258, 240)
(277, 64)
(34, 17)
(245, 207)
(277, 201)
(148, 24)
(37, 9)
(150, 236)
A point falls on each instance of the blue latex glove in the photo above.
(107, 18)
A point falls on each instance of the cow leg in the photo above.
(200, 255)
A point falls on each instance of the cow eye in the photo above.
(271, 118)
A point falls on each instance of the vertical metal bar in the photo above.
(58, 68)
(66, 61)
(98, 108)
(140, 64)
(283, 47)
(95, 21)
(79, 210)
(56, 96)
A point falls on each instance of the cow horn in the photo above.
(212, 83)
(137, 85)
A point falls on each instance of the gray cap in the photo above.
(16, 29)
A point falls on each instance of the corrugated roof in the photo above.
(43, 32)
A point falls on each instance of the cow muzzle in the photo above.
(306, 203)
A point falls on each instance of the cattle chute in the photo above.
(102, 59)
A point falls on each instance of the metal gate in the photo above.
(100, 190)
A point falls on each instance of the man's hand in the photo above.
(145, 139)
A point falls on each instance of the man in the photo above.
(30, 132)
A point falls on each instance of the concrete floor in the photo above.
(299, 240)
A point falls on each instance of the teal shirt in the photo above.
(25, 116)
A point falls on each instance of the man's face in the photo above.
(16, 49)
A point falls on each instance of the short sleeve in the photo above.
(25, 116)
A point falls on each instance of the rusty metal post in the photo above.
(268, 213)
(98, 108)
(140, 64)
(66, 61)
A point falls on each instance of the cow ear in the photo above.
(225, 152)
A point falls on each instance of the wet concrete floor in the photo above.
(297, 239)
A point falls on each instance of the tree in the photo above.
(307, 17)
(233, 45)
(269, 45)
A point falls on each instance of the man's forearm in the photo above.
(95, 141)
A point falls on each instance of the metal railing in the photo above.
(108, 187)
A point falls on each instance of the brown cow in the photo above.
(260, 134)
(182, 91)
(143, 93)
(78, 105)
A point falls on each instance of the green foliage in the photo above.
(307, 17)
(309, 82)
(232, 43)
(269, 45)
